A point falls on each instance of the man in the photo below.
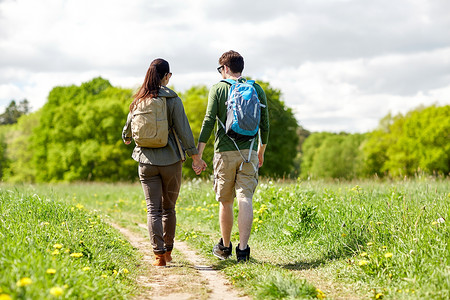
(233, 177)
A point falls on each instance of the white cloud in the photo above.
(341, 64)
(353, 95)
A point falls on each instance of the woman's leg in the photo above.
(171, 182)
(152, 186)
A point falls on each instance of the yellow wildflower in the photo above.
(380, 223)
(86, 269)
(51, 271)
(344, 235)
(76, 255)
(363, 262)
(5, 297)
(363, 254)
(356, 188)
(388, 255)
(104, 276)
(115, 272)
(79, 206)
(434, 223)
(24, 282)
(369, 244)
(126, 271)
(320, 294)
(57, 246)
(56, 291)
(55, 252)
(379, 296)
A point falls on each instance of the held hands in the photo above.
(198, 164)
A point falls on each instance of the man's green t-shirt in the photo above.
(218, 95)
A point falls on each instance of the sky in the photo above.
(341, 65)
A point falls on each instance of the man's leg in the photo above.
(226, 220)
(246, 182)
(224, 179)
(245, 221)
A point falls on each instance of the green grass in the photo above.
(390, 238)
(60, 247)
(378, 238)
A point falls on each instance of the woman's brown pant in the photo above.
(161, 185)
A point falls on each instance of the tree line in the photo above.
(402, 145)
(76, 136)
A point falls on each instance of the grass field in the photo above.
(50, 248)
(385, 240)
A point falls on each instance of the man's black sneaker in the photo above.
(242, 255)
(222, 252)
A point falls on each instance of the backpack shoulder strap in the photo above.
(229, 81)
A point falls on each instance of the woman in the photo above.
(160, 168)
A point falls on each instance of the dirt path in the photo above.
(188, 276)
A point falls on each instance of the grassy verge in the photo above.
(385, 240)
(389, 239)
(51, 249)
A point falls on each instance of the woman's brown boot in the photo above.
(160, 260)
(168, 256)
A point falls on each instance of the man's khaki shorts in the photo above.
(229, 180)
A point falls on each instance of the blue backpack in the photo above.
(243, 112)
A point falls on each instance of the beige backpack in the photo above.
(149, 125)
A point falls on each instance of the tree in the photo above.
(330, 155)
(19, 151)
(79, 134)
(14, 111)
(283, 139)
(310, 148)
(404, 145)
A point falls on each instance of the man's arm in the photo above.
(210, 117)
(261, 150)
(200, 148)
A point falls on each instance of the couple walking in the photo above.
(235, 162)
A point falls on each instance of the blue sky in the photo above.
(341, 65)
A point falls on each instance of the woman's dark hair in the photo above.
(232, 60)
(152, 82)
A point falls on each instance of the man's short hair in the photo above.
(232, 60)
